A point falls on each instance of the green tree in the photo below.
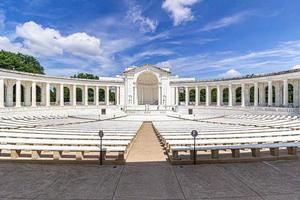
(20, 62)
(85, 76)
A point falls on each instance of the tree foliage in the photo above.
(20, 62)
(85, 76)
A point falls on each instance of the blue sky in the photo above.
(196, 38)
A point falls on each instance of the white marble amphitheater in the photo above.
(57, 119)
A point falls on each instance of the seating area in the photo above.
(234, 138)
(65, 139)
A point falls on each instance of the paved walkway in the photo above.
(146, 147)
(239, 181)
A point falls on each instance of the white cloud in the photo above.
(49, 42)
(145, 24)
(6, 44)
(208, 65)
(80, 43)
(39, 40)
(225, 22)
(296, 67)
(180, 10)
(230, 74)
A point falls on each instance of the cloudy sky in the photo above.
(200, 38)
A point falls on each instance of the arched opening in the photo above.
(202, 96)
(267, 94)
(214, 96)
(225, 96)
(192, 96)
(238, 95)
(91, 95)
(112, 96)
(101, 95)
(67, 95)
(79, 99)
(38, 95)
(147, 89)
(290, 94)
(181, 96)
(53, 92)
(251, 95)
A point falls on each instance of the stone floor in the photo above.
(261, 180)
(147, 175)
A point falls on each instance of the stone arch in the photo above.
(192, 96)
(290, 93)
(91, 95)
(53, 94)
(226, 95)
(147, 88)
(101, 95)
(181, 94)
(203, 95)
(213, 94)
(67, 95)
(38, 94)
(79, 95)
(238, 95)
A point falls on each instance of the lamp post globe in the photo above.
(101, 134)
(194, 133)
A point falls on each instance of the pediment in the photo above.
(153, 68)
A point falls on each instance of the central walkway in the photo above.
(146, 147)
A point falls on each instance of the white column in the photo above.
(186, 96)
(262, 93)
(197, 96)
(33, 94)
(47, 94)
(97, 95)
(9, 93)
(207, 100)
(117, 95)
(1, 93)
(285, 93)
(256, 94)
(61, 95)
(230, 95)
(27, 91)
(176, 96)
(74, 100)
(270, 93)
(18, 93)
(107, 95)
(218, 95)
(86, 100)
(243, 99)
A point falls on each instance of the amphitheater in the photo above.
(48, 124)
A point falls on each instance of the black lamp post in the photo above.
(194, 134)
(101, 134)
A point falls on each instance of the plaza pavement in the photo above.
(260, 180)
(147, 175)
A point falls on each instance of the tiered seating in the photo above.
(222, 142)
(276, 121)
(74, 141)
(32, 121)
